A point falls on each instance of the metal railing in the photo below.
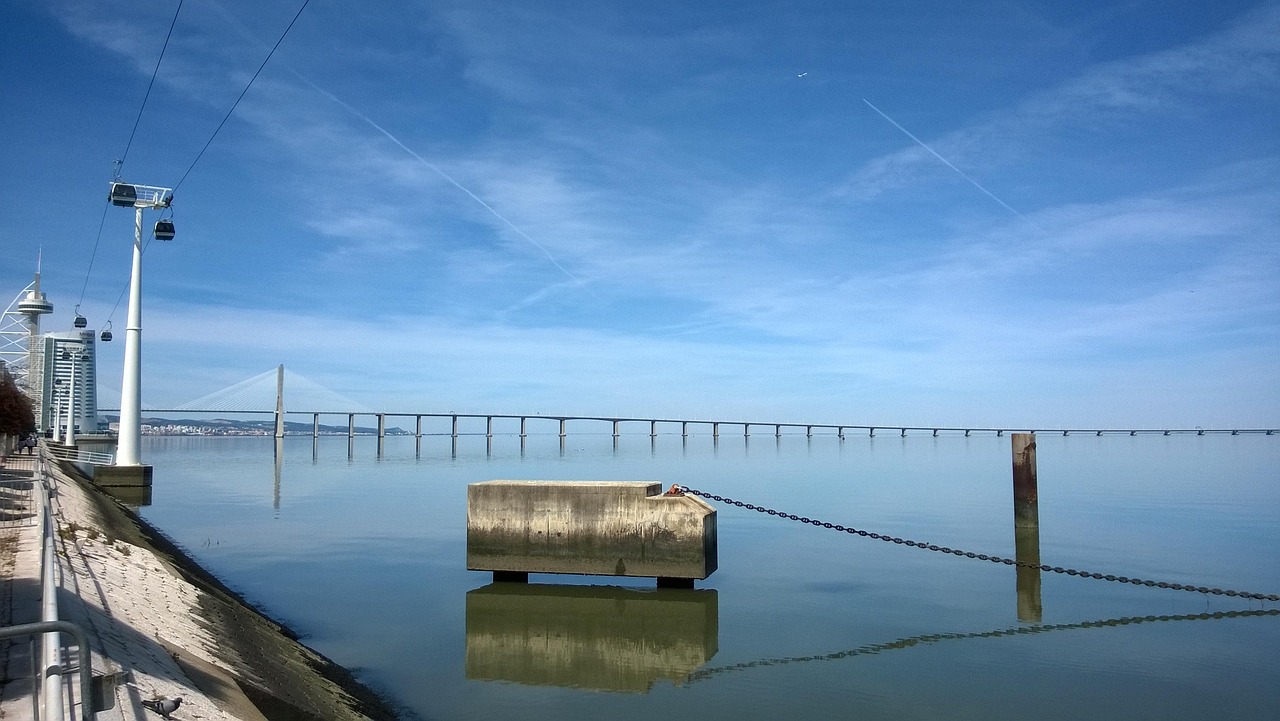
(49, 629)
(64, 453)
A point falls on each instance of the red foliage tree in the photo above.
(16, 416)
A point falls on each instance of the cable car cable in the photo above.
(154, 73)
(89, 271)
(120, 163)
(242, 94)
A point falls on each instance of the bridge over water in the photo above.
(265, 394)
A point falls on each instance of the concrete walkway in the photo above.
(141, 618)
(20, 593)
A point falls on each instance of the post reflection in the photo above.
(1027, 550)
(279, 467)
(605, 638)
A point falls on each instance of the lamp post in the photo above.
(138, 197)
(75, 358)
(56, 417)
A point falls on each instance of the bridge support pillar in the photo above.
(279, 401)
(315, 425)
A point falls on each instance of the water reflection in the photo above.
(932, 638)
(135, 496)
(279, 468)
(605, 638)
(1027, 550)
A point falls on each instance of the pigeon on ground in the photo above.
(164, 707)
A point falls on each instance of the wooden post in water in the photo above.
(1026, 526)
(1026, 506)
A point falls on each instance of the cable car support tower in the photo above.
(140, 198)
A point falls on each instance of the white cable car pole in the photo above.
(71, 400)
(131, 384)
(139, 197)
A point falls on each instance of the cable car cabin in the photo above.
(80, 321)
(106, 336)
(164, 230)
(123, 195)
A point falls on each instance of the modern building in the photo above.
(69, 382)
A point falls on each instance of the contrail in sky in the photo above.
(442, 174)
(946, 162)
(253, 38)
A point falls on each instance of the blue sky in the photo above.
(1042, 214)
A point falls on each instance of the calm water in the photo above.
(365, 556)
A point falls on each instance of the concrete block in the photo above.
(606, 528)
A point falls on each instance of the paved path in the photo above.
(140, 616)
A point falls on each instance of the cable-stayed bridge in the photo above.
(260, 393)
(283, 393)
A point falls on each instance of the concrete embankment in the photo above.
(155, 615)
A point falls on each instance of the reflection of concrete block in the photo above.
(122, 475)
(598, 637)
(624, 528)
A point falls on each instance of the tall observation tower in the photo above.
(20, 346)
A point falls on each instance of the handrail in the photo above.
(63, 453)
(50, 628)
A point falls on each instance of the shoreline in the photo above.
(154, 613)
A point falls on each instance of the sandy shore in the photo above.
(156, 616)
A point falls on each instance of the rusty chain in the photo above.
(982, 556)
